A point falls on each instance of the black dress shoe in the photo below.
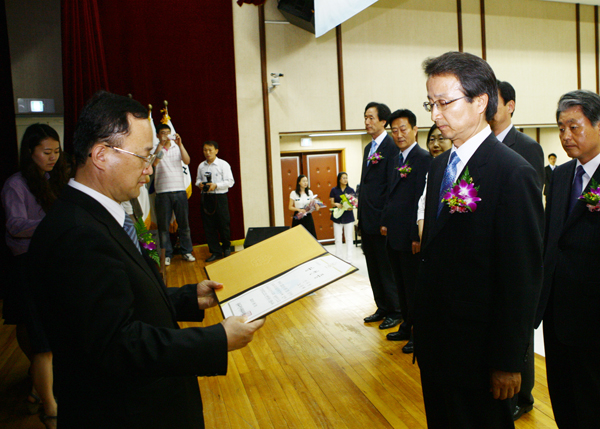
(398, 336)
(374, 318)
(408, 348)
(214, 257)
(388, 323)
(520, 410)
(226, 253)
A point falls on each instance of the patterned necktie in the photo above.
(449, 175)
(576, 187)
(372, 151)
(401, 163)
(130, 230)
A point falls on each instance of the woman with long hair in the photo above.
(344, 223)
(26, 197)
(299, 201)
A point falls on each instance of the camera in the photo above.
(207, 182)
(171, 136)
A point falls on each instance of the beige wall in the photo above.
(530, 43)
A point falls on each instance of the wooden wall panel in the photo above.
(588, 48)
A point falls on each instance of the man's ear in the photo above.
(99, 156)
(482, 102)
(511, 106)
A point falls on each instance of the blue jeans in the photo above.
(166, 203)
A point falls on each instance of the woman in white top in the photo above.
(299, 200)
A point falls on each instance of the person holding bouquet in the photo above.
(343, 198)
(302, 203)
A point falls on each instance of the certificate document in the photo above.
(287, 288)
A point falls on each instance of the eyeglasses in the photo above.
(148, 160)
(440, 104)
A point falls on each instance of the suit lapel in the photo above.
(580, 206)
(95, 209)
(511, 137)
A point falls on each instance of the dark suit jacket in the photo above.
(374, 186)
(547, 176)
(121, 360)
(400, 211)
(480, 274)
(529, 149)
(572, 252)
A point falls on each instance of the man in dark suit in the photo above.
(549, 169)
(570, 300)
(531, 150)
(121, 360)
(399, 219)
(480, 274)
(374, 187)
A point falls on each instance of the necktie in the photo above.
(372, 151)
(449, 175)
(576, 187)
(130, 230)
(401, 163)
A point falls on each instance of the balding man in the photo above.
(120, 358)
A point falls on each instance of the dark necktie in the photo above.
(449, 175)
(576, 187)
(130, 230)
(401, 161)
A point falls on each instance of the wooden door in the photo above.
(290, 170)
(322, 170)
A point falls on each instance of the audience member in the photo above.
(26, 197)
(345, 223)
(407, 175)
(121, 359)
(300, 199)
(171, 196)
(569, 302)
(531, 150)
(480, 276)
(215, 178)
(374, 189)
(549, 169)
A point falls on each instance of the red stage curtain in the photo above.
(84, 65)
(177, 51)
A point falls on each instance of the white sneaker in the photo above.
(167, 262)
(189, 257)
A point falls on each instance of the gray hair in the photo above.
(588, 101)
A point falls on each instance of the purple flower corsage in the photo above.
(462, 196)
(404, 170)
(592, 198)
(375, 158)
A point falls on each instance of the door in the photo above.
(290, 170)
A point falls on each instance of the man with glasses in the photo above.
(119, 356)
(480, 273)
(171, 196)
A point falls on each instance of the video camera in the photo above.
(207, 182)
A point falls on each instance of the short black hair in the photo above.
(383, 112)
(588, 101)
(211, 143)
(105, 118)
(474, 74)
(162, 126)
(403, 113)
(507, 92)
(552, 154)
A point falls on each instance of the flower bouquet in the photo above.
(349, 202)
(592, 198)
(314, 204)
(146, 240)
(462, 196)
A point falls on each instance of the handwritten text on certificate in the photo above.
(286, 288)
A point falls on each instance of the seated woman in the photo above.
(299, 200)
(26, 197)
(345, 223)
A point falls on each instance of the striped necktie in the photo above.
(372, 151)
(576, 187)
(449, 176)
(130, 230)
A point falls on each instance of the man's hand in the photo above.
(212, 187)
(206, 293)
(239, 333)
(416, 247)
(383, 230)
(177, 140)
(505, 385)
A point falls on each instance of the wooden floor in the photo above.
(314, 364)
